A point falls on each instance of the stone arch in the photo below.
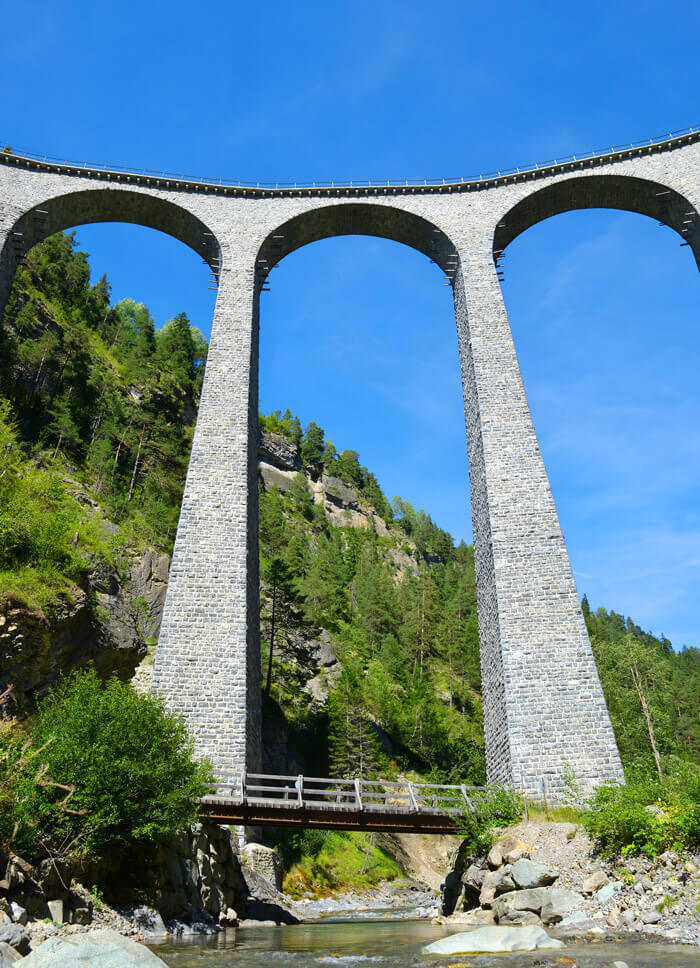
(64, 211)
(357, 218)
(623, 192)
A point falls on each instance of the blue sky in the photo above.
(603, 305)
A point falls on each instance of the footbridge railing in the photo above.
(259, 799)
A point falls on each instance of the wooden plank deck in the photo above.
(262, 800)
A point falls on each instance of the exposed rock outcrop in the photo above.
(38, 646)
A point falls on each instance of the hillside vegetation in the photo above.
(96, 422)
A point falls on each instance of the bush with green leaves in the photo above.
(648, 815)
(116, 769)
(493, 807)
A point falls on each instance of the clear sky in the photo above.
(603, 305)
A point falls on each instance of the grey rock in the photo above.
(474, 877)
(15, 936)
(594, 882)
(606, 892)
(513, 856)
(265, 861)
(555, 901)
(278, 450)
(149, 922)
(575, 917)
(495, 883)
(651, 917)
(520, 917)
(340, 493)
(101, 949)
(494, 938)
(495, 855)
(528, 874)
(559, 904)
(18, 913)
(8, 955)
(55, 909)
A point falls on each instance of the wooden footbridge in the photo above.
(260, 800)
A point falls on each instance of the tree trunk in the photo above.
(636, 678)
(268, 684)
(137, 462)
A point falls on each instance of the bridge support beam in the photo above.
(544, 711)
(207, 665)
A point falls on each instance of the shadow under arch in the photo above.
(623, 192)
(378, 221)
(92, 205)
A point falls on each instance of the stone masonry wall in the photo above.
(544, 708)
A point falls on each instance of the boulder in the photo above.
(473, 877)
(552, 899)
(472, 881)
(15, 936)
(149, 922)
(594, 882)
(495, 883)
(513, 856)
(264, 861)
(99, 949)
(18, 913)
(607, 891)
(651, 917)
(492, 938)
(8, 955)
(558, 905)
(495, 857)
(528, 874)
(520, 917)
(55, 909)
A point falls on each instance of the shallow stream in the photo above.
(386, 942)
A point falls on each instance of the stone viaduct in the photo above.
(544, 708)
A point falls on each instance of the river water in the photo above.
(386, 942)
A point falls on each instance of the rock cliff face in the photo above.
(280, 461)
(37, 647)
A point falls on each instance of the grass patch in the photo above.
(537, 813)
(326, 862)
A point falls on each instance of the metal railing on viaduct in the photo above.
(260, 800)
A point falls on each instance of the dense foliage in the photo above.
(46, 534)
(102, 766)
(319, 862)
(648, 815)
(667, 681)
(496, 807)
(94, 386)
(404, 628)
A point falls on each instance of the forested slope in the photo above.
(368, 609)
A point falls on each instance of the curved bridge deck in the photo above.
(260, 800)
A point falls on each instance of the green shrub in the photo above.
(21, 773)
(646, 815)
(326, 861)
(496, 807)
(118, 769)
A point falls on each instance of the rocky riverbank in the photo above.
(550, 874)
(199, 885)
